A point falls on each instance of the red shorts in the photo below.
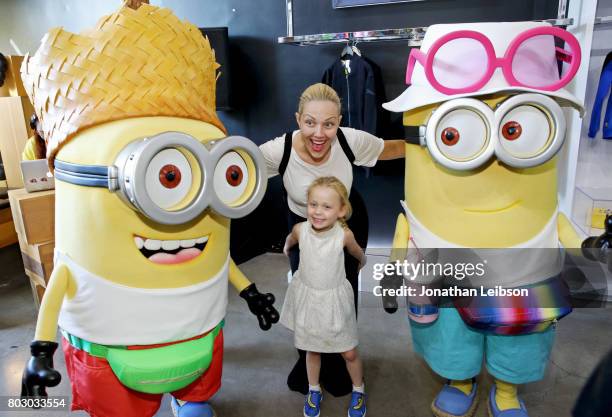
(96, 389)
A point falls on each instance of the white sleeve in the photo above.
(273, 153)
(365, 146)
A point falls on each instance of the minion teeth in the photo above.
(151, 247)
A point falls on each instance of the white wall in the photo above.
(26, 21)
(595, 157)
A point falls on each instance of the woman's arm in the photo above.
(292, 239)
(272, 151)
(353, 247)
(394, 149)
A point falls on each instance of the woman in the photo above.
(319, 148)
(35, 147)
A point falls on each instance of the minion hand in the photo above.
(394, 282)
(600, 248)
(39, 372)
(261, 305)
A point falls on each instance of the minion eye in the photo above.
(231, 178)
(168, 178)
(525, 131)
(462, 135)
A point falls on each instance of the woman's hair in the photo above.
(335, 184)
(319, 92)
(40, 148)
(3, 69)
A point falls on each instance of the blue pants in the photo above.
(456, 351)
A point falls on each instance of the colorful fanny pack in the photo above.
(545, 304)
(155, 370)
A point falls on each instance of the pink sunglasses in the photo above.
(464, 61)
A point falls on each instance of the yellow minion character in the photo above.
(146, 185)
(483, 115)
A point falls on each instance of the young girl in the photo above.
(319, 304)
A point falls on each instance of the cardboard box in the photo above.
(34, 215)
(38, 291)
(8, 235)
(38, 261)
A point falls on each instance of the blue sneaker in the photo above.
(452, 402)
(512, 412)
(312, 404)
(191, 409)
(357, 408)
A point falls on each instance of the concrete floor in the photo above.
(256, 363)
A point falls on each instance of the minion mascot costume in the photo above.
(146, 185)
(482, 173)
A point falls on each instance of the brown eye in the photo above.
(234, 175)
(512, 130)
(450, 136)
(170, 176)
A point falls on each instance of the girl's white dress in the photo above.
(319, 305)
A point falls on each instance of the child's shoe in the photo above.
(452, 402)
(357, 408)
(191, 409)
(512, 412)
(312, 405)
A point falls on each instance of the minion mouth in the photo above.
(170, 251)
(496, 210)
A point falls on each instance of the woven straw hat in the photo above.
(139, 61)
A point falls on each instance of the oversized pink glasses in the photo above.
(464, 61)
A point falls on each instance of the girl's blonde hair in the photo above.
(335, 184)
(319, 92)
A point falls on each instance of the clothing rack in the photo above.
(603, 20)
(414, 35)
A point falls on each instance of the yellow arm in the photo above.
(567, 233)
(237, 278)
(57, 288)
(400, 239)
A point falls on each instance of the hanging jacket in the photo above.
(603, 91)
(361, 91)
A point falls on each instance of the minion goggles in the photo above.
(524, 131)
(172, 178)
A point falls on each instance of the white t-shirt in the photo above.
(114, 314)
(299, 174)
(527, 263)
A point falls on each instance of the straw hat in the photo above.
(140, 61)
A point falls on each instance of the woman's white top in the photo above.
(108, 313)
(299, 174)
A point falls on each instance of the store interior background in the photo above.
(266, 79)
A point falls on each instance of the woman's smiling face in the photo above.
(318, 124)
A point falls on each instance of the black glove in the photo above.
(600, 248)
(39, 372)
(390, 282)
(261, 305)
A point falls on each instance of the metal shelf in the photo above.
(603, 20)
(414, 36)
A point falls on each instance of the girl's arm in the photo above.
(292, 239)
(353, 247)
